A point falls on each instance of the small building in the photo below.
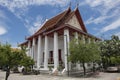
(49, 45)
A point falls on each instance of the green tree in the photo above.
(26, 61)
(110, 51)
(83, 53)
(94, 53)
(10, 57)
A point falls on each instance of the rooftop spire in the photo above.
(77, 5)
(70, 4)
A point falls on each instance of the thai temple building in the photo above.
(49, 45)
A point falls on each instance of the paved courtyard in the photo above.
(102, 76)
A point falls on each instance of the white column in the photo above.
(32, 52)
(56, 50)
(83, 38)
(29, 53)
(66, 47)
(89, 40)
(76, 36)
(94, 40)
(46, 53)
(33, 48)
(39, 56)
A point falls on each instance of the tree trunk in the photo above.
(103, 63)
(93, 67)
(84, 68)
(7, 73)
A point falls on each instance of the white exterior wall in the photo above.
(60, 43)
(61, 46)
(50, 48)
(50, 45)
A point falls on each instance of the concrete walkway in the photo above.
(102, 76)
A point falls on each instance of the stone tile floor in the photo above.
(18, 76)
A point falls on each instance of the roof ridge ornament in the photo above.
(70, 4)
(77, 5)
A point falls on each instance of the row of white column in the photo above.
(46, 52)
(55, 49)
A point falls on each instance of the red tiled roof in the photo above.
(51, 22)
(66, 15)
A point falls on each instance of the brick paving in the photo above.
(102, 76)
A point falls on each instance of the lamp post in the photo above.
(67, 54)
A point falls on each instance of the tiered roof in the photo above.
(57, 20)
(61, 19)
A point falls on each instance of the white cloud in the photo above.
(3, 25)
(34, 25)
(12, 5)
(3, 16)
(101, 19)
(95, 20)
(107, 12)
(105, 4)
(94, 3)
(107, 9)
(114, 25)
(2, 30)
(20, 7)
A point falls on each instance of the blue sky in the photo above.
(20, 18)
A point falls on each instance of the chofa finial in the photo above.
(70, 4)
(77, 4)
